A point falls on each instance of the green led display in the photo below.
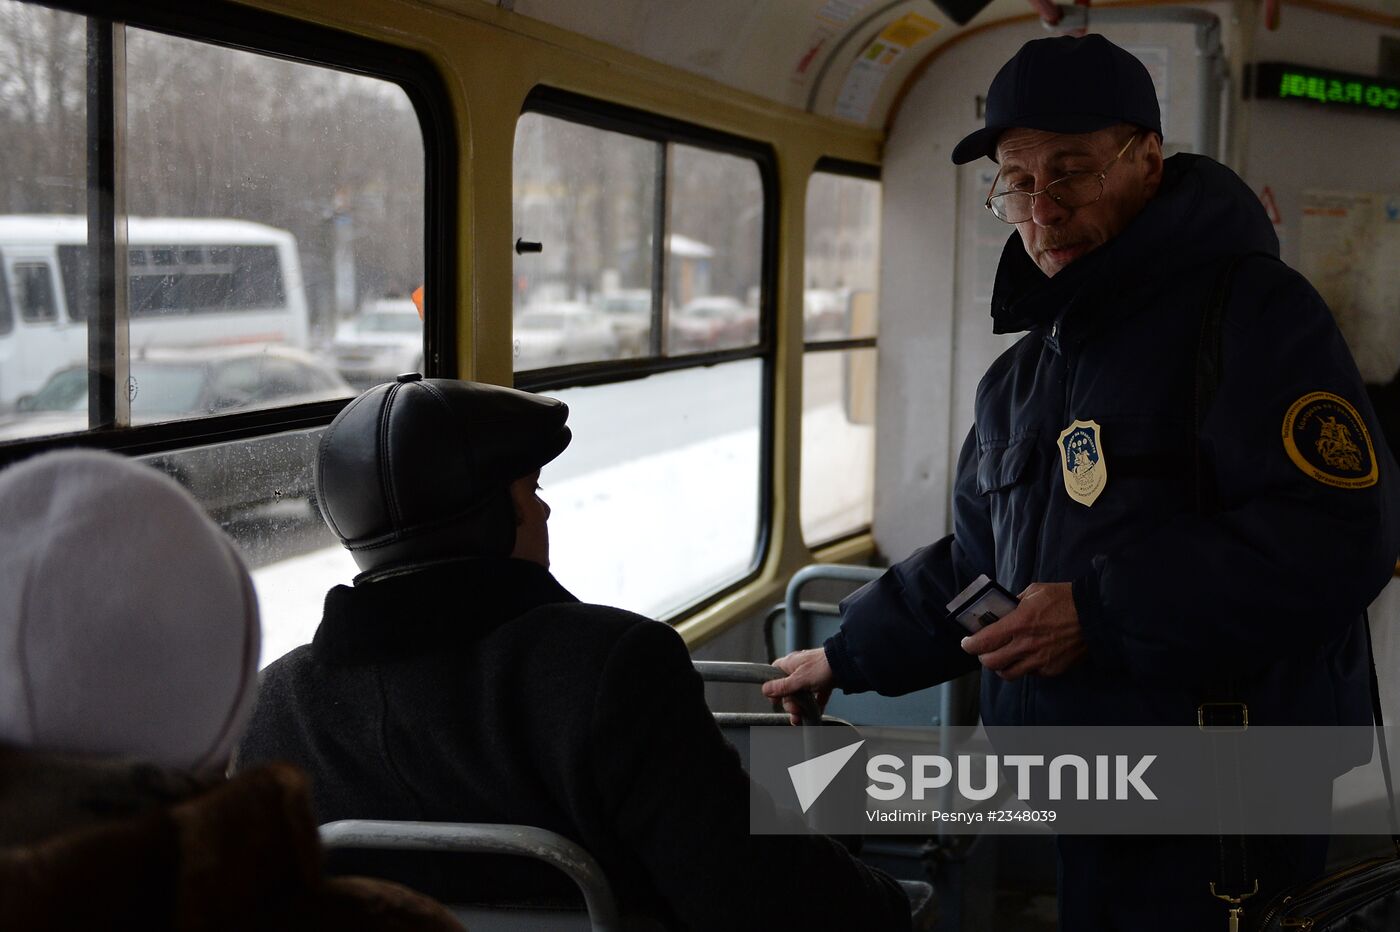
(1281, 81)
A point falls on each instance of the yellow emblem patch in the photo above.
(1082, 460)
(1327, 439)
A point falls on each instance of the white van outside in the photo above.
(192, 283)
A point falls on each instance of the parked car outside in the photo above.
(384, 341)
(629, 312)
(713, 322)
(172, 384)
(562, 332)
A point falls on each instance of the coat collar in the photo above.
(453, 602)
(1202, 213)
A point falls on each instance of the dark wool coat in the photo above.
(482, 691)
(102, 844)
(1258, 595)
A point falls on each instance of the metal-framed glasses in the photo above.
(1077, 190)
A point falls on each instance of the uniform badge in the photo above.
(1081, 457)
(1328, 440)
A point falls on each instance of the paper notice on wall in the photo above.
(989, 235)
(1349, 248)
(827, 23)
(874, 64)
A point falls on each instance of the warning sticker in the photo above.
(873, 65)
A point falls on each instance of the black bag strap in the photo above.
(1210, 365)
(1232, 869)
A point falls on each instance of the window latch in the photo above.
(523, 246)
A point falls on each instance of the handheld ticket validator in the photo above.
(981, 603)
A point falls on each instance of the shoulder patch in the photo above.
(1326, 438)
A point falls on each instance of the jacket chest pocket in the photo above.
(1006, 473)
(1002, 464)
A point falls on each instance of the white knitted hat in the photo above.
(128, 623)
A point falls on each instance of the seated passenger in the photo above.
(457, 681)
(128, 656)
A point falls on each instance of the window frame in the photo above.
(827, 165)
(550, 101)
(228, 25)
(617, 118)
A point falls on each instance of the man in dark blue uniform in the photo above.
(1177, 536)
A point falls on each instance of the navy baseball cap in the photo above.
(1065, 85)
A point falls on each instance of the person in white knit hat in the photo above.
(128, 624)
(128, 666)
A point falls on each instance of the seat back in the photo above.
(490, 838)
(735, 727)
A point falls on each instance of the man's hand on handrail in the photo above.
(807, 671)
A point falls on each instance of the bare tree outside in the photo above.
(43, 110)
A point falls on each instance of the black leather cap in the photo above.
(417, 470)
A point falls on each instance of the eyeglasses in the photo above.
(1077, 190)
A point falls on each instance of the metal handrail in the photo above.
(729, 671)
(798, 621)
(799, 636)
(487, 838)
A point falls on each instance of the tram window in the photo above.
(716, 250)
(655, 504)
(645, 221)
(317, 177)
(261, 491)
(839, 365)
(43, 174)
(648, 457)
(589, 196)
(267, 203)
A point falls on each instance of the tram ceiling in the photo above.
(846, 59)
(838, 58)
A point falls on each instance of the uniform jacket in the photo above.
(482, 691)
(1257, 595)
(98, 843)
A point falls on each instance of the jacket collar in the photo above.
(453, 602)
(1202, 213)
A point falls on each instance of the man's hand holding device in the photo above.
(1038, 634)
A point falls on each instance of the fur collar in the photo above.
(132, 846)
